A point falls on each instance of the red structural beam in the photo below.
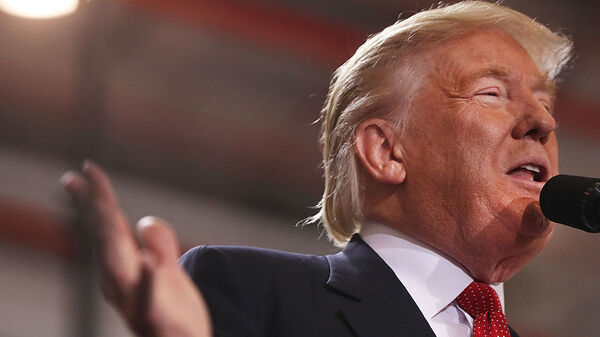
(291, 31)
(36, 229)
(40, 230)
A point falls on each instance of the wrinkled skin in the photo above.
(483, 108)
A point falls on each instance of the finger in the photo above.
(158, 238)
(142, 298)
(100, 184)
(116, 271)
(173, 305)
(117, 249)
(113, 225)
(113, 222)
(77, 187)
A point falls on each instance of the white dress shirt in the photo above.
(432, 279)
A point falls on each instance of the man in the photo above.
(437, 136)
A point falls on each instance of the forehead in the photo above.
(484, 52)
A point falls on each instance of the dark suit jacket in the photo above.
(255, 292)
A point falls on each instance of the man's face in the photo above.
(478, 148)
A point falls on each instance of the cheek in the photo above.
(478, 136)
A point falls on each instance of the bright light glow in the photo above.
(39, 9)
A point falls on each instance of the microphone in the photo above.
(573, 201)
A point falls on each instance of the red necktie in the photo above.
(481, 302)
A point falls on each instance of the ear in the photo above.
(379, 151)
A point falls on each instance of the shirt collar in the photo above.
(431, 278)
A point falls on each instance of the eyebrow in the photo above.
(544, 84)
(496, 72)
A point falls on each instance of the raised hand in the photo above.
(140, 276)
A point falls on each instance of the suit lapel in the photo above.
(513, 333)
(382, 306)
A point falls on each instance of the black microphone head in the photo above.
(566, 199)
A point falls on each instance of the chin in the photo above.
(510, 266)
(524, 249)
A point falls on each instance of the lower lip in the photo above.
(525, 180)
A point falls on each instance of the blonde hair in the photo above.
(367, 85)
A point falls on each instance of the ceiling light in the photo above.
(39, 9)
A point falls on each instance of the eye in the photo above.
(545, 101)
(547, 107)
(493, 92)
(489, 90)
(490, 95)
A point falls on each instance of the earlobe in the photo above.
(378, 151)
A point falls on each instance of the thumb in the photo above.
(159, 239)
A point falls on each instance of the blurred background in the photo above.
(203, 112)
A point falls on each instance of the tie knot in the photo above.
(481, 302)
(479, 298)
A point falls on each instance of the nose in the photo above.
(535, 123)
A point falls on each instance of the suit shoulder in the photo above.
(260, 292)
(252, 260)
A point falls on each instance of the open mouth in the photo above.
(530, 171)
